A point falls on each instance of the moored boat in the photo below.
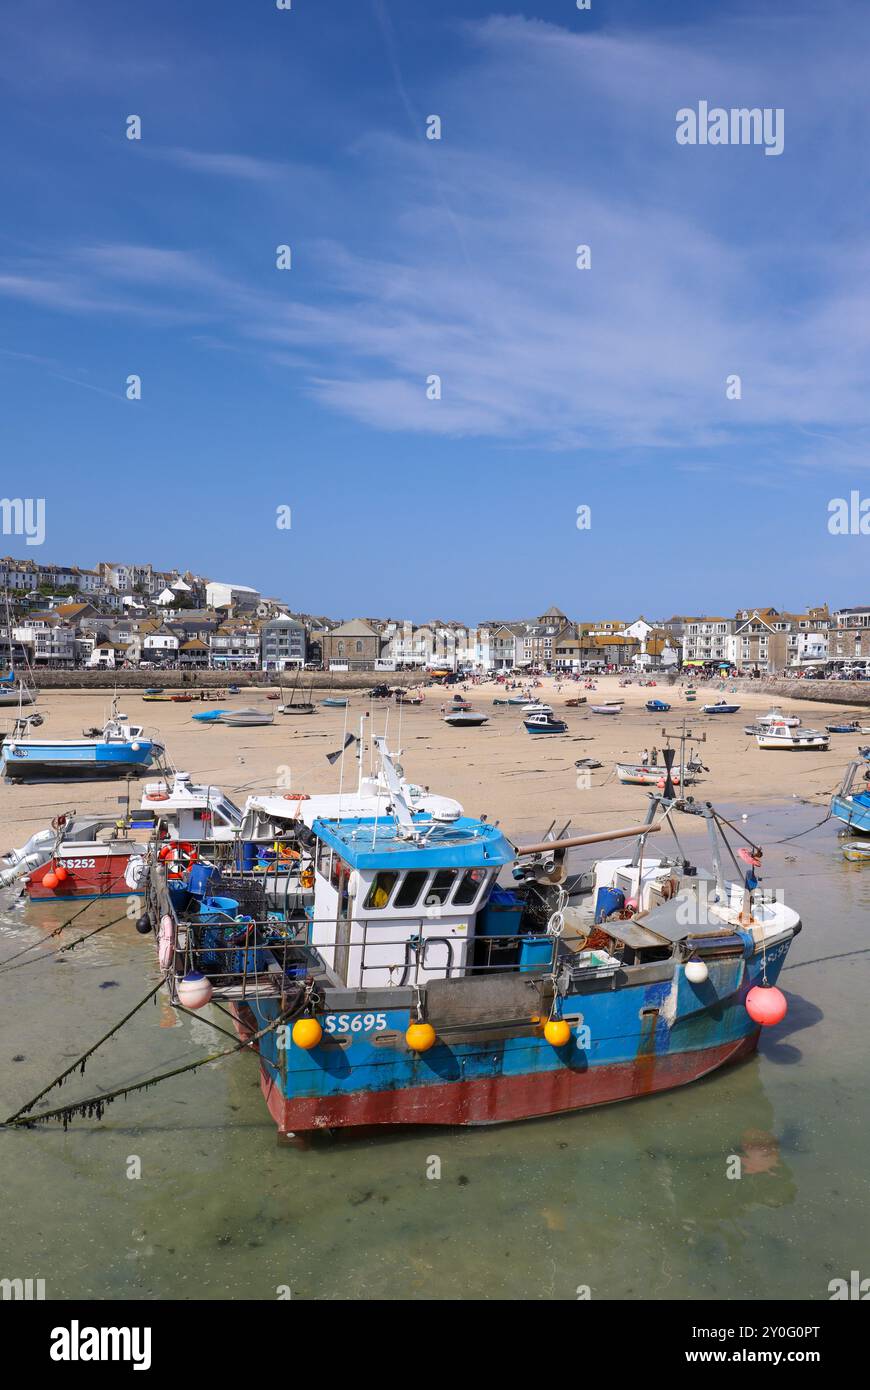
(657, 706)
(366, 1010)
(643, 775)
(782, 736)
(857, 851)
(464, 717)
(720, 707)
(118, 749)
(851, 805)
(775, 716)
(247, 718)
(15, 692)
(544, 722)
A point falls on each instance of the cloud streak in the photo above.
(457, 257)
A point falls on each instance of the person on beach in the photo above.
(654, 757)
(645, 758)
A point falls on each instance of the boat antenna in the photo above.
(341, 764)
(361, 750)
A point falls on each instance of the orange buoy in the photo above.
(49, 880)
(61, 874)
(420, 1037)
(766, 1005)
(557, 1032)
(307, 1033)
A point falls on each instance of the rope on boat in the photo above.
(94, 1106)
(81, 1062)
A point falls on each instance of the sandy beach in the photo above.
(524, 782)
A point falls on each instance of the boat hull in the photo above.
(92, 872)
(632, 775)
(852, 813)
(636, 1040)
(768, 742)
(22, 763)
(486, 1101)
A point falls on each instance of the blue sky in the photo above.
(560, 387)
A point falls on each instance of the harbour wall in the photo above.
(783, 689)
(210, 680)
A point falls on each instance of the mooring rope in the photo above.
(95, 1105)
(81, 1062)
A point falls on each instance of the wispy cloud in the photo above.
(226, 165)
(457, 258)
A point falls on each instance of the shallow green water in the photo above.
(633, 1200)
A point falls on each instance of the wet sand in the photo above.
(523, 781)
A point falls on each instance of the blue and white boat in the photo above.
(720, 707)
(115, 750)
(544, 722)
(657, 706)
(14, 691)
(400, 985)
(851, 804)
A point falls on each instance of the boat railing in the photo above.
(266, 956)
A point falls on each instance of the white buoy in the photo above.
(194, 991)
(696, 972)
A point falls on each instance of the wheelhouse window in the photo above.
(410, 888)
(442, 882)
(469, 886)
(382, 886)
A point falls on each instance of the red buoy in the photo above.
(61, 874)
(49, 880)
(766, 1004)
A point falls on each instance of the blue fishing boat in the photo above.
(853, 727)
(334, 702)
(404, 986)
(657, 706)
(544, 723)
(113, 751)
(720, 707)
(851, 804)
(14, 691)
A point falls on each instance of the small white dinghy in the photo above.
(643, 775)
(612, 707)
(247, 718)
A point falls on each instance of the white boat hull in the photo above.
(792, 741)
(638, 775)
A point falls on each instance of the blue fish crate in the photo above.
(536, 953)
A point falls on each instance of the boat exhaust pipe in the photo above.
(551, 847)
